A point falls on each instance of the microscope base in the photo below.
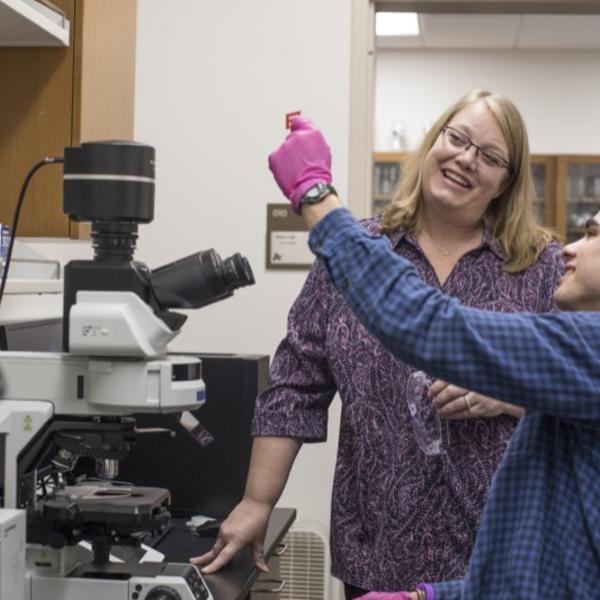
(172, 581)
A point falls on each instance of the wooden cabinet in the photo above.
(387, 170)
(567, 188)
(57, 97)
(578, 194)
(543, 170)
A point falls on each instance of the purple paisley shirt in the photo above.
(398, 516)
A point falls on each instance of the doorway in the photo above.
(544, 56)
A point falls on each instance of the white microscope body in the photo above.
(65, 418)
(128, 372)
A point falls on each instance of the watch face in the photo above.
(317, 192)
(314, 191)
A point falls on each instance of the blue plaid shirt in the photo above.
(540, 533)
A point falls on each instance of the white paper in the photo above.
(290, 248)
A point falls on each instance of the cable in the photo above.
(13, 230)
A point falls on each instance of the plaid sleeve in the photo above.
(546, 362)
(446, 590)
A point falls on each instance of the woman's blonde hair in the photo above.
(509, 217)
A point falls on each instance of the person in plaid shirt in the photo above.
(540, 531)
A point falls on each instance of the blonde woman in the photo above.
(463, 215)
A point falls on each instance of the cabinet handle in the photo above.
(280, 583)
(281, 549)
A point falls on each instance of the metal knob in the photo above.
(164, 592)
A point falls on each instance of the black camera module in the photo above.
(111, 184)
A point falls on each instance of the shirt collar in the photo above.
(487, 240)
(494, 244)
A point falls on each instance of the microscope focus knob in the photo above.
(164, 592)
(56, 540)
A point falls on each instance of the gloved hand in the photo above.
(386, 596)
(303, 160)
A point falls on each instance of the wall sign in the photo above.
(287, 239)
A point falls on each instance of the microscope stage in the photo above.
(99, 512)
(107, 502)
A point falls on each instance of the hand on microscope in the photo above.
(245, 525)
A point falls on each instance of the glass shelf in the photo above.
(543, 171)
(582, 196)
(387, 170)
(385, 179)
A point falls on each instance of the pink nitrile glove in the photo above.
(386, 596)
(303, 160)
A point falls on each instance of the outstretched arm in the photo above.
(542, 362)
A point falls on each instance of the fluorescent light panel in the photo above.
(396, 23)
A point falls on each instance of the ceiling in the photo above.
(485, 31)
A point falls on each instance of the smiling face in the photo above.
(458, 181)
(579, 288)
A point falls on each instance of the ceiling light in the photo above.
(396, 23)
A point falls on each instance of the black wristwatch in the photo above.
(317, 192)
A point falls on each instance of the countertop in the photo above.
(235, 580)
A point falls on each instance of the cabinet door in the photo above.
(387, 170)
(578, 194)
(35, 104)
(57, 97)
(543, 170)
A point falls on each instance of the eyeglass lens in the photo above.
(458, 139)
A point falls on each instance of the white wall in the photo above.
(213, 82)
(558, 92)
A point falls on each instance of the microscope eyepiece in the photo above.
(111, 184)
(237, 271)
(200, 279)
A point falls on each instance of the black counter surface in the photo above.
(234, 581)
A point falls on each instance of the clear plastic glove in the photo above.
(246, 525)
(303, 160)
(388, 596)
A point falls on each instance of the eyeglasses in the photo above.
(460, 140)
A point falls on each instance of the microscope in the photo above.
(65, 418)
